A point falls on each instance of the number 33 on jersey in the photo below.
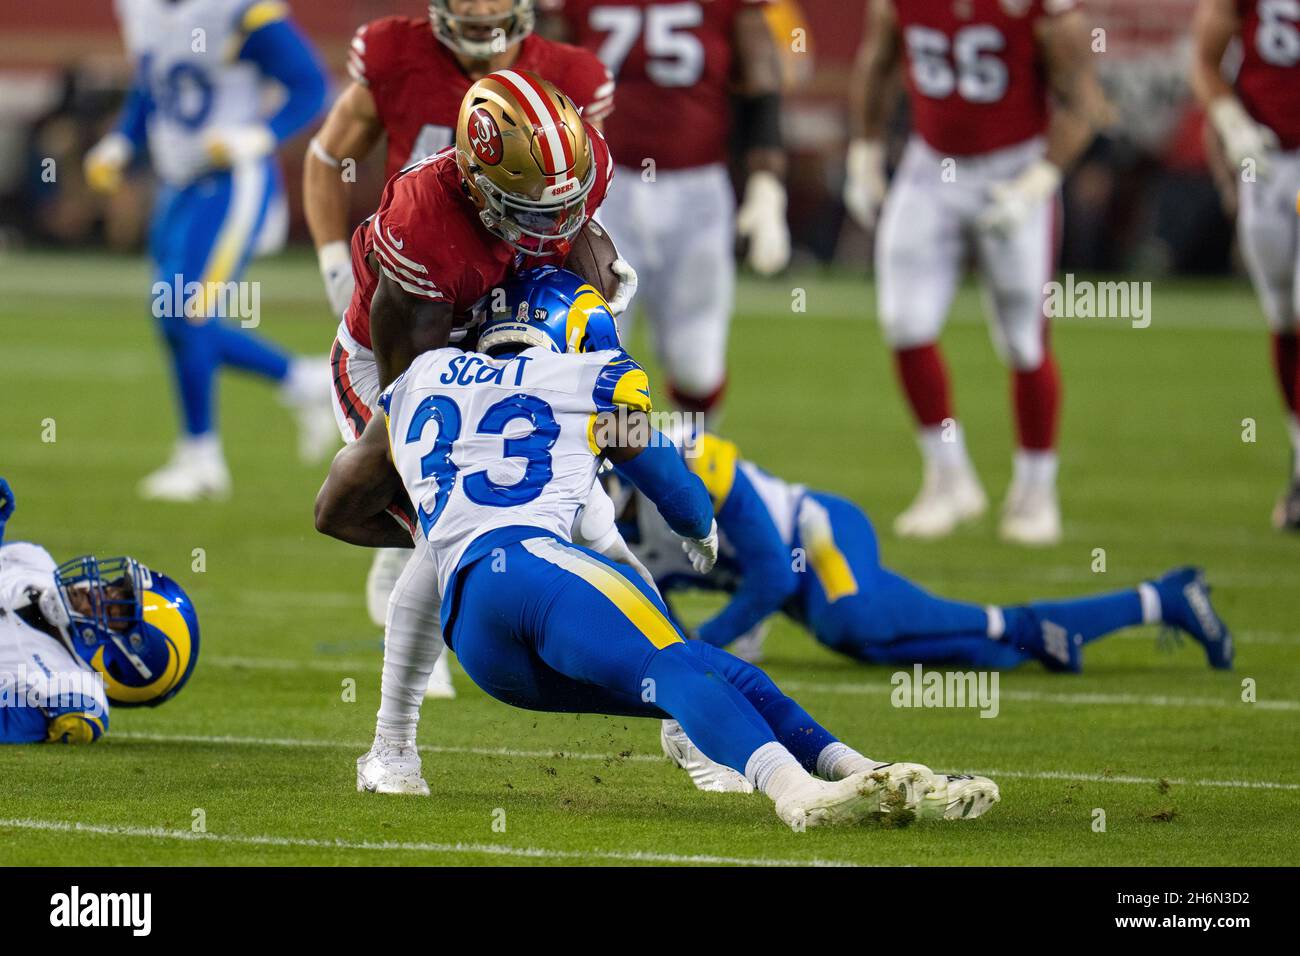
(484, 443)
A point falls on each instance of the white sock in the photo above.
(773, 770)
(1293, 426)
(1034, 469)
(839, 760)
(944, 447)
(1150, 598)
(206, 446)
(412, 644)
(997, 626)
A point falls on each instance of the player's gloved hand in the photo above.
(703, 552)
(1243, 138)
(106, 161)
(761, 220)
(335, 260)
(1012, 202)
(626, 286)
(864, 181)
(232, 145)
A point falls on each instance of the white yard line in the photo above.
(492, 849)
(360, 746)
(1140, 700)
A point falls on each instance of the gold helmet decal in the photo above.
(526, 160)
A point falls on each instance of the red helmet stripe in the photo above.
(532, 97)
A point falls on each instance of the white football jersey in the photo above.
(483, 443)
(188, 52)
(33, 664)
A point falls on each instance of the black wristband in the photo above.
(758, 122)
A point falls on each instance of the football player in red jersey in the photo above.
(1004, 98)
(1258, 122)
(408, 78)
(672, 211)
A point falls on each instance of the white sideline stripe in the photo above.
(1126, 778)
(1028, 696)
(493, 849)
(648, 758)
(1143, 700)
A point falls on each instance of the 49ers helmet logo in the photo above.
(485, 137)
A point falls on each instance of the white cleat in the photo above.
(822, 803)
(188, 476)
(308, 393)
(1031, 516)
(749, 646)
(912, 784)
(440, 686)
(960, 796)
(390, 768)
(706, 774)
(948, 497)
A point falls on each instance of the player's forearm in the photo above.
(325, 202)
(758, 113)
(657, 470)
(281, 52)
(1213, 28)
(1068, 135)
(874, 80)
(352, 503)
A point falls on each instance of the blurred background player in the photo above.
(1004, 99)
(196, 100)
(1257, 118)
(408, 78)
(78, 637)
(853, 605)
(672, 209)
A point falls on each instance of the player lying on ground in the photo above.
(815, 557)
(516, 190)
(196, 102)
(77, 637)
(497, 449)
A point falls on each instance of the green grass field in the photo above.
(1154, 470)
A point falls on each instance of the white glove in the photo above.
(864, 181)
(1242, 137)
(105, 162)
(52, 609)
(232, 145)
(335, 260)
(1012, 202)
(703, 552)
(626, 286)
(761, 220)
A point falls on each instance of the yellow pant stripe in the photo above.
(827, 560)
(619, 591)
(248, 183)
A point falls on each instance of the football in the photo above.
(591, 255)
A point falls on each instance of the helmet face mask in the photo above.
(526, 161)
(481, 36)
(135, 627)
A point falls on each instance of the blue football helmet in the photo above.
(547, 307)
(136, 627)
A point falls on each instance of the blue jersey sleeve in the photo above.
(281, 52)
(659, 473)
(767, 577)
(22, 725)
(134, 121)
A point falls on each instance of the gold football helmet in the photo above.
(526, 160)
(480, 36)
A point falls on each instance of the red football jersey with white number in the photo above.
(974, 72)
(418, 84)
(428, 238)
(1269, 81)
(672, 60)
